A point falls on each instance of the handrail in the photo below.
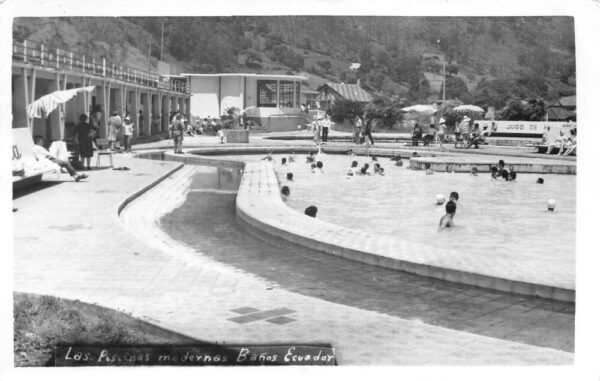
(43, 55)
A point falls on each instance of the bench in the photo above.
(24, 160)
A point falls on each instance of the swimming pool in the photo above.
(501, 219)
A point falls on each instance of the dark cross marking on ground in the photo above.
(71, 227)
(275, 316)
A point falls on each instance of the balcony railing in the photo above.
(43, 55)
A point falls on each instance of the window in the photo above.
(267, 93)
(286, 94)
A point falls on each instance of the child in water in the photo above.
(447, 221)
(428, 170)
(454, 196)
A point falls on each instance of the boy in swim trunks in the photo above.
(447, 221)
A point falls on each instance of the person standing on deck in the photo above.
(114, 125)
(176, 132)
(358, 125)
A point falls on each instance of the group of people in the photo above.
(465, 134)
(320, 126)
(500, 172)
(566, 144)
(363, 131)
(365, 169)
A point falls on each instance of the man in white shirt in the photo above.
(42, 153)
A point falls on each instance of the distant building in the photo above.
(263, 97)
(308, 97)
(568, 103)
(564, 109)
(330, 92)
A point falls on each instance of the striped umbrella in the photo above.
(42, 107)
(468, 108)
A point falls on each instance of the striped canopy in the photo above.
(468, 108)
(43, 106)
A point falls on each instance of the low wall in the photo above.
(439, 164)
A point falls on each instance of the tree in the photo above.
(517, 109)
(387, 110)
(345, 109)
(456, 88)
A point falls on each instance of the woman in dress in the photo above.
(85, 134)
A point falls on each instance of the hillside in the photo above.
(492, 58)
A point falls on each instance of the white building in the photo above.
(264, 97)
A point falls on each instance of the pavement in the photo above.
(69, 241)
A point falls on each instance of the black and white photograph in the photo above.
(307, 184)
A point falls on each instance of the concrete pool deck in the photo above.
(70, 242)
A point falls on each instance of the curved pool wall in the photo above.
(260, 209)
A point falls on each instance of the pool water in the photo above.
(509, 219)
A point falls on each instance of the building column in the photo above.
(155, 112)
(148, 112)
(164, 117)
(20, 100)
(180, 105)
(102, 99)
(187, 107)
(137, 108)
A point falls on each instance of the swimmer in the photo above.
(494, 170)
(449, 168)
(311, 211)
(290, 176)
(376, 168)
(399, 162)
(310, 158)
(428, 170)
(283, 161)
(366, 168)
(415, 154)
(474, 171)
(285, 192)
(353, 170)
(374, 158)
(539, 180)
(500, 165)
(313, 166)
(320, 166)
(381, 170)
(551, 205)
(292, 158)
(504, 174)
(512, 175)
(454, 196)
(447, 221)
